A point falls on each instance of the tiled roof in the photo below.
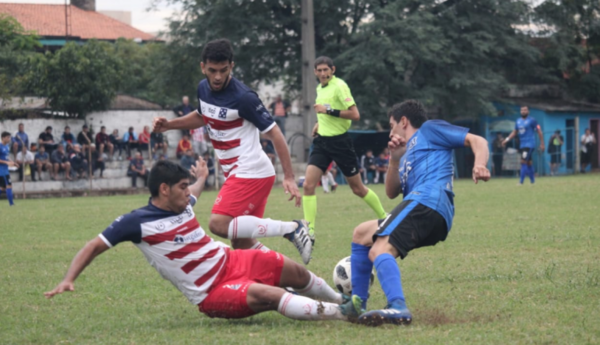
(49, 20)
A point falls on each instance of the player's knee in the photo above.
(218, 227)
(309, 187)
(267, 297)
(359, 190)
(361, 235)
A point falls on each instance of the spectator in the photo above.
(280, 109)
(498, 154)
(42, 162)
(60, 163)
(367, 162)
(84, 138)
(157, 141)
(199, 140)
(25, 160)
(98, 162)
(183, 146)
(182, 110)
(555, 150)
(102, 140)
(130, 140)
(144, 141)
(79, 163)
(115, 140)
(47, 139)
(268, 148)
(327, 180)
(381, 164)
(588, 141)
(187, 160)
(67, 139)
(210, 164)
(137, 169)
(21, 138)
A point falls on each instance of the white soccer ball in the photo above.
(342, 278)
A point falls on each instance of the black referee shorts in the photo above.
(339, 149)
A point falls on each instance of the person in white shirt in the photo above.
(25, 157)
(588, 142)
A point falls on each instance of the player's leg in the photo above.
(317, 164)
(325, 183)
(306, 283)
(530, 169)
(524, 168)
(360, 264)
(8, 189)
(368, 196)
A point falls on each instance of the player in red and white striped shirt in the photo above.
(234, 117)
(222, 282)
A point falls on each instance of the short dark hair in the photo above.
(324, 60)
(103, 127)
(218, 51)
(84, 126)
(165, 172)
(49, 127)
(5, 134)
(412, 109)
(67, 127)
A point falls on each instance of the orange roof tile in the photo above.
(49, 20)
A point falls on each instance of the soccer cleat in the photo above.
(311, 234)
(394, 314)
(301, 240)
(351, 307)
(333, 188)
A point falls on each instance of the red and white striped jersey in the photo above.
(234, 117)
(175, 245)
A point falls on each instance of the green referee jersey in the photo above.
(337, 94)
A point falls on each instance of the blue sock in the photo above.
(388, 274)
(1, 192)
(531, 173)
(9, 196)
(523, 173)
(361, 268)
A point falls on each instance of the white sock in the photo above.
(331, 179)
(254, 227)
(325, 183)
(304, 308)
(259, 245)
(317, 288)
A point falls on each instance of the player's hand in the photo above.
(160, 125)
(320, 108)
(200, 170)
(315, 131)
(504, 143)
(60, 288)
(397, 146)
(13, 164)
(290, 187)
(480, 172)
(542, 147)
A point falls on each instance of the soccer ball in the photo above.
(342, 276)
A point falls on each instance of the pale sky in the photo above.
(152, 21)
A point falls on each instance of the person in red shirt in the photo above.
(102, 141)
(144, 140)
(183, 146)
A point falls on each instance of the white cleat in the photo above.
(301, 240)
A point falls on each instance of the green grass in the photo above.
(521, 265)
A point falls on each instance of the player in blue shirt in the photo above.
(421, 169)
(5, 162)
(526, 126)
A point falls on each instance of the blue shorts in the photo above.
(526, 153)
(5, 181)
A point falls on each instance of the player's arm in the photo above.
(350, 114)
(289, 181)
(9, 163)
(397, 147)
(200, 172)
(315, 130)
(192, 120)
(85, 256)
(509, 137)
(482, 153)
(541, 135)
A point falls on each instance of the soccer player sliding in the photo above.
(223, 283)
(420, 169)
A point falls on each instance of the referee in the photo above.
(336, 110)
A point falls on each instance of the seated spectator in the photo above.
(157, 142)
(144, 140)
(130, 140)
(115, 140)
(102, 141)
(137, 169)
(267, 146)
(98, 163)
(79, 163)
(199, 140)
(210, 164)
(367, 162)
(85, 140)
(182, 110)
(183, 146)
(42, 162)
(60, 163)
(25, 160)
(381, 164)
(67, 139)
(21, 138)
(187, 160)
(47, 139)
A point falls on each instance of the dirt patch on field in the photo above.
(437, 317)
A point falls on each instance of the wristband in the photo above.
(334, 112)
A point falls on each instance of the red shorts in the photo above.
(227, 298)
(243, 197)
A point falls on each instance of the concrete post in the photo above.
(309, 83)
(577, 154)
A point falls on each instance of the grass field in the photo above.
(520, 266)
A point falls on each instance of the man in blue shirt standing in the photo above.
(21, 138)
(5, 184)
(526, 126)
(421, 169)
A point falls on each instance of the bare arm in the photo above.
(350, 114)
(482, 153)
(192, 120)
(510, 136)
(85, 256)
(397, 147)
(9, 163)
(289, 181)
(541, 135)
(200, 172)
